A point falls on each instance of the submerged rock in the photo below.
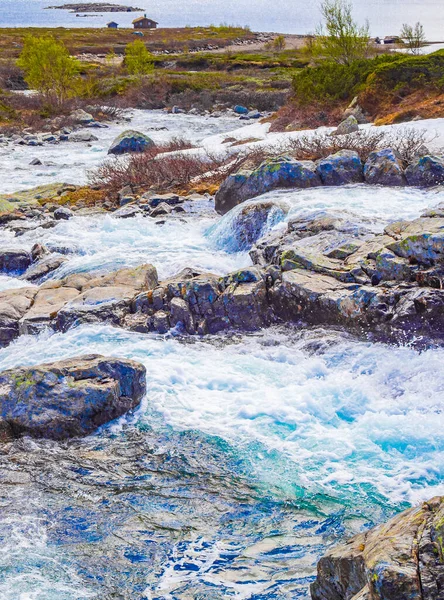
(399, 560)
(43, 267)
(274, 173)
(245, 224)
(130, 141)
(69, 398)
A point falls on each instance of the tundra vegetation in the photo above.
(305, 86)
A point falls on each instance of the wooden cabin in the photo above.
(144, 23)
(112, 25)
(392, 39)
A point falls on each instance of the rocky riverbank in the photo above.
(397, 560)
(322, 269)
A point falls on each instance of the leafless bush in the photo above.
(11, 76)
(164, 167)
(406, 142)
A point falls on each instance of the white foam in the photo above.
(359, 419)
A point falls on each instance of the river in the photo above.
(385, 16)
(250, 455)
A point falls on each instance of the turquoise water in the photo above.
(249, 456)
(385, 16)
(247, 459)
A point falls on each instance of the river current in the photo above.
(249, 456)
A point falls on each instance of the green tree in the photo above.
(49, 69)
(414, 37)
(279, 43)
(138, 61)
(340, 38)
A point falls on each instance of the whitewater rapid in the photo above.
(250, 455)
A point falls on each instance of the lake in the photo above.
(289, 16)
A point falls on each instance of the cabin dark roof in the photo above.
(112, 23)
(144, 19)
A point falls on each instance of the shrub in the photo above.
(138, 61)
(406, 142)
(332, 82)
(49, 68)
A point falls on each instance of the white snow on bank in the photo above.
(432, 128)
(70, 161)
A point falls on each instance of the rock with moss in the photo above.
(426, 171)
(348, 125)
(384, 167)
(341, 168)
(274, 173)
(131, 141)
(69, 398)
(399, 560)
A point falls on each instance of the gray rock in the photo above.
(161, 210)
(154, 200)
(14, 261)
(384, 167)
(69, 398)
(349, 125)
(161, 322)
(43, 267)
(426, 171)
(399, 560)
(127, 212)
(13, 306)
(82, 136)
(341, 168)
(81, 117)
(131, 141)
(282, 172)
(62, 213)
(181, 315)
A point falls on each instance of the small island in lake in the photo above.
(94, 7)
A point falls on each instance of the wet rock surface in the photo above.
(324, 269)
(320, 269)
(69, 398)
(382, 167)
(281, 172)
(397, 560)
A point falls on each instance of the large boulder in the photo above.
(426, 171)
(131, 141)
(274, 173)
(341, 168)
(69, 398)
(384, 167)
(399, 560)
(107, 298)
